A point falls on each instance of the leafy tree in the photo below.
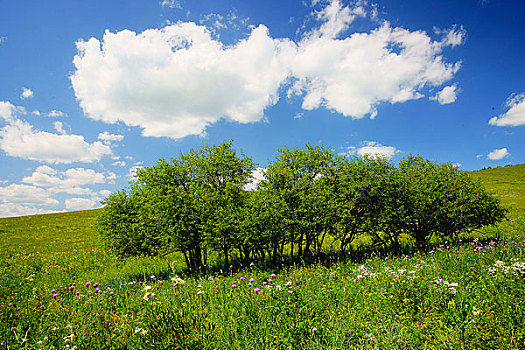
(293, 178)
(189, 205)
(363, 192)
(439, 199)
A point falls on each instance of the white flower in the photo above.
(140, 330)
(177, 280)
(200, 292)
(146, 288)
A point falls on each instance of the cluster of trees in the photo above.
(199, 202)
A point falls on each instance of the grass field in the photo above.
(60, 288)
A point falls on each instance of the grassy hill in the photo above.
(508, 184)
(60, 289)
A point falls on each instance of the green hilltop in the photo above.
(508, 184)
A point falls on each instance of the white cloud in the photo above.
(56, 114)
(26, 93)
(447, 95)
(454, 36)
(174, 4)
(336, 18)
(26, 195)
(69, 181)
(3, 39)
(80, 203)
(105, 193)
(106, 136)
(19, 139)
(515, 115)
(59, 127)
(36, 112)
(375, 150)
(119, 163)
(498, 154)
(178, 80)
(131, 78)
(353, 75)
(12, 209)
(8, 111)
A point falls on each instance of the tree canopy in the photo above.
(199, 202)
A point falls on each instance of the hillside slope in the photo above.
(508, 184)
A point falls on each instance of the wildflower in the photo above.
(242, 278)
(146, 288)
(97, 290)
(200, 292)
(55, 295)
(71, 287)
(10, 304)
(177, 280)
(252, 280)
(96, 284)
(256, 290)
(153, 278)
(314, 329)
(140, 330)
(53, 290)
(273, 275)
(87, 284)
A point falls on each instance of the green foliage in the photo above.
(439, 199)
(187, 205)
(198, 203)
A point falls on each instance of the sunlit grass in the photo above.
(467, 294)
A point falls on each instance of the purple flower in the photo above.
(87, 284)
(10, 304)
(153, 278)
(234, 285)
(252, 280)
(97, 290)
(249, 284)
(314, 329)
(53, 290)
(55, 295)
(256, 290)
(273, 275)
(71, 287)
(242, 278)
(264, 283)
(96, 284)
(77, 293)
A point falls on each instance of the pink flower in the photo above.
(87, 284)
(256, 290)
(273, 275)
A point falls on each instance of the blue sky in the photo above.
(91, 90)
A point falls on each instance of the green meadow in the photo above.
(61, 288)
